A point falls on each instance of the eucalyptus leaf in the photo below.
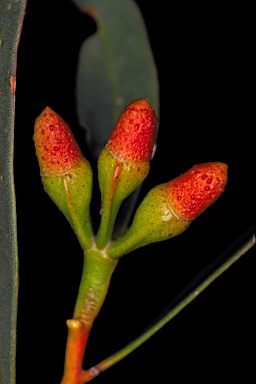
(11, 18)
(116, 66)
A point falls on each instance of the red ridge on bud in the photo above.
(133, 137)
(56, 148)
(194, 191)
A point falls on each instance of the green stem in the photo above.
(110, 207)
(107, 363)
(97, 272)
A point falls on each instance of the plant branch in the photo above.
(107, 363)
(97, 271)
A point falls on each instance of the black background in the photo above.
(203, 58)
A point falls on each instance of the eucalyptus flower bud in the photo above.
(124, 162)
(66, 175)
(168, 209)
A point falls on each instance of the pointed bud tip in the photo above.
(56, 148)
(133, 137)
(194, 191)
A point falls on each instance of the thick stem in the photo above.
(97, 272)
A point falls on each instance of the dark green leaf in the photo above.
(116, 66)
(11, 17)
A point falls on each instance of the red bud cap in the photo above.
(133, 136)
(194, 191)
(56, 148)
